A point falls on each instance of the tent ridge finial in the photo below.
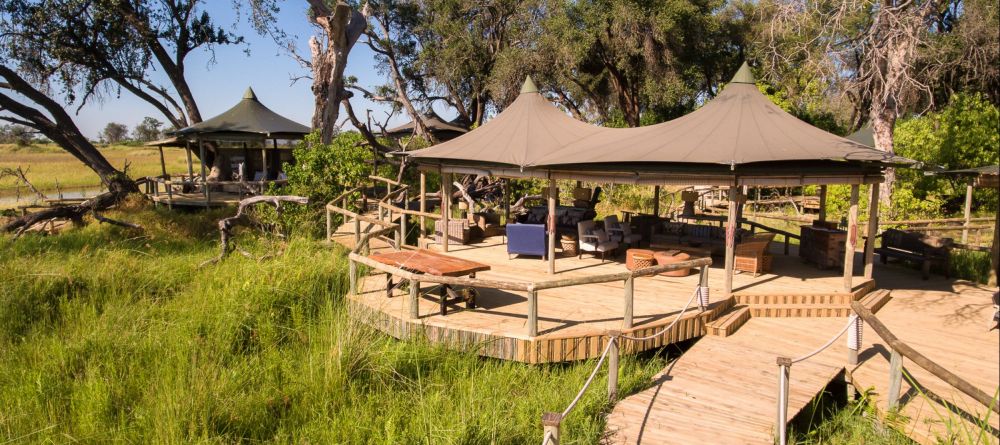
(744, 75)
(528, 86)
(249, 94)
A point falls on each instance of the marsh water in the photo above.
(9, 198)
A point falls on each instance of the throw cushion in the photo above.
(673, 228)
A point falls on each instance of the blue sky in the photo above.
(218, 86)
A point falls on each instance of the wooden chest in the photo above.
(822, 246)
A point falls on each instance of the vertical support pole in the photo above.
(204, 183)
(532, 313)
(552, 226)
(329, 225)
(629, 300)
(402, 219)
(423, 204)
(445, 209)
(968, 209)
(357, 231)
(263, 162)
(187, 150)
(994, 255)
(506, 201)
(873, 199)
(352, 271)
(276, 173)
(854, 336)
(852, 239)
(895, 379)
(414, 299)
(613, 351)
(550, 427)
(703, 293)
(822, 203)
(163, 169)
(656, 201)
(731, 238)
(784, 366)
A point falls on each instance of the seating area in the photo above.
(917, 247)
(697, 235)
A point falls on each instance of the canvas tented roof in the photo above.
(434, 124)
(249, 116)
(527, 130)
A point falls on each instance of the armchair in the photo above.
(752, 255)
(526, 239)
(594, 241)
(621, 232)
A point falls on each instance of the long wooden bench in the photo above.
(916, 247)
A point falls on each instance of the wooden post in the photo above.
(187, 149)
(552, 226)
(550, 427)
(731, 225)
(968, 211)
(506, 201)
(895, 379)
(613, 351)
(352, 271)
(852, 240)
(204, 182)
(703, 297)
(402, 219)
(263, 161)
(532, 313)
(854, 336)
(163, 169)
(784, 366)
(822, 203)
(873, 199)
(423, 205)
(656, 201)
(629, 293)
(329, 225)
(275, 146)
(445, 209)
(357, 231)
(414, 299)
(994, 255)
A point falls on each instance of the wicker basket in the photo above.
(641, 261)
(569, 246)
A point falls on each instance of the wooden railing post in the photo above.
(895, 379)
(550, 427)
(352, 271)
(329, 225)
(852, 239)
(532, 313)
(854, 337)
(357, 231)
(629, 300)
(784, 367)
(703, 293)
(613, 351)
(414, 299)
(403, 217)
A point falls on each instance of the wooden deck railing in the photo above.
(900, 350)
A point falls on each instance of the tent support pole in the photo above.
(204, 181)
(852, 239)
(506, 201)
(552, 226)
(822, 203)
(163, 167)
(656, 201)
(445, 209)
(968, 211)
(423, 202)
(872, 231)
(187, 148)
(731, 222)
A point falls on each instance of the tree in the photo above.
(147, 130)
(114, 133)
(340, 26)
(18, 135)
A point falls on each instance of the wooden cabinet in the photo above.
(823, 246)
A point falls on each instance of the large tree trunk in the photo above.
(342, 27)
(882, 129)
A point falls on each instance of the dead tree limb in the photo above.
(20, 175)
(226, 225)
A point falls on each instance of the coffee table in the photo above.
(690, 250)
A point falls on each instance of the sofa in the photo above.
(458, 231)
(699, 235)
(526, 239)
(566, 217)
(918, 247)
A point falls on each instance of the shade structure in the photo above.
(249, 116)
(740, 126)
(526, 131)
(442, 129)
(985, 176)
(864, 135)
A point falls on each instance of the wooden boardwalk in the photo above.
(947, 322)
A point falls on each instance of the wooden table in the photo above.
(691, 250)
(423, 261)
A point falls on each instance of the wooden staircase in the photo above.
(793, 306)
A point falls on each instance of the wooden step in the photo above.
(809, 299)
(876, 299)
(729, 322)
(800, 310)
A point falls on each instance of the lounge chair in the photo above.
(594, 240)
(621, 232)
(752, 255)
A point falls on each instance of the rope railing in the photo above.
(785, 365)
(677, 318)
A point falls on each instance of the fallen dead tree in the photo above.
(226, 225)
(117, 192)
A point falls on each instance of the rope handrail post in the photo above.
(784, 371)
(352, 271)
(532, 313)
(357, 231)
(703, 292)
(895, 379)
(329, 225)
(629, 301)
(854, 339)
(414, 299)
(614, 348)
(550, 428)
(403, 217)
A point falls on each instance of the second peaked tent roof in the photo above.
(527, 130)
(249, 116)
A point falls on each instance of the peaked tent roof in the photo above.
(739, 126)
(864, 135)
(527, 130)
(433, 122)
(248, 116)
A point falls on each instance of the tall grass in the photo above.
(112, 335)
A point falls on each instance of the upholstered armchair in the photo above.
(594, 240)
(621, 232)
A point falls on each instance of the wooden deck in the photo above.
(947, 322)
(216, 199)
(573, 321)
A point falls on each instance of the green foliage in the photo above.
(970, 265)
(151, 348)
(322, 172)
(964, 134)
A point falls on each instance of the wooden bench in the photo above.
(917, 247)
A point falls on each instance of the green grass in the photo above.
(107, 334)
(47, 163)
